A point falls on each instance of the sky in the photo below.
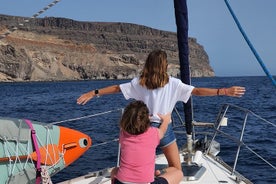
(210, 23)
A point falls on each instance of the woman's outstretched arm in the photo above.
(235, 91)
(84, 98)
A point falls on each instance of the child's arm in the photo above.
(166, 119)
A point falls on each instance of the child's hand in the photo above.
(166, 118)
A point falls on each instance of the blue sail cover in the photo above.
(181, 18)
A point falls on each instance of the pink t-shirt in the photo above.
(138, 156)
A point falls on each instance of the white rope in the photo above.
(8, 155)
(49, 141)
(46, 179)
(13, 148)
(10, 152)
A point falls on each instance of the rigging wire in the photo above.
(10, 30)
(84, 117)
(103, 143)
(45, 8)
(250, 44)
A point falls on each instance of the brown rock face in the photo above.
(62, 49)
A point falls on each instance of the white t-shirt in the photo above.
(160, 100)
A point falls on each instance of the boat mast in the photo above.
(181, 17)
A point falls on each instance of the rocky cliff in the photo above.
(51, 48)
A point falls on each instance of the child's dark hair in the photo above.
(135, 119)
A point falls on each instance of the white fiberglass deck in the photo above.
(208, 171)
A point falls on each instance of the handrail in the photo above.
(239, 142)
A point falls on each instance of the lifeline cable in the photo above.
(83, 117)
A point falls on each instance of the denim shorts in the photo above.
(169, 136)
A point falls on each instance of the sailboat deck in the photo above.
(206, 171)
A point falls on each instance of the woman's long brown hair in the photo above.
(154, 74)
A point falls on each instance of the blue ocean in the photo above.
(55, 102)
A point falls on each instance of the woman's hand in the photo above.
(83, 99)
(235, 91)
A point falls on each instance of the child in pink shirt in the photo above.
(138, 145)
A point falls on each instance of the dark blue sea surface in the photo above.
(50, 102)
